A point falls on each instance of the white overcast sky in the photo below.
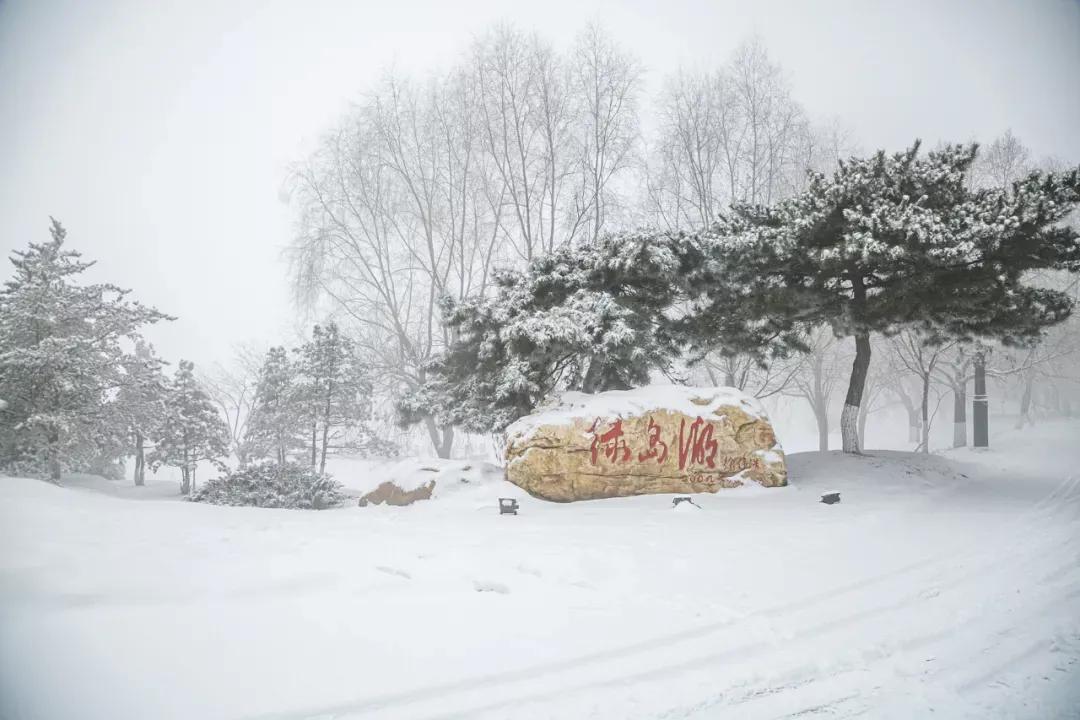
(159, 132)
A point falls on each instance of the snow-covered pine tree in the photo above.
(61, 352)
(589, 318)
(191, 429)
(898, 241)
(335, 391)
(140, 402)
(728, 308)
(276, 425)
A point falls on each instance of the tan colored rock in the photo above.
(660, 439)
(390, 494)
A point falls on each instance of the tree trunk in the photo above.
(54, 455)
(1025, 402)
(140, 460)
(447, 441)
(959, 438)
(325, 441)
(925, 409)
(822, 416)
(864, 411)
(979, 408)
(327, 406)
(442, 438)
(322, 454)
(185, 475)
(849, 430)
(314, 438)
(591, 380)
(913, 429)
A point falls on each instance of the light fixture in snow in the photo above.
(508, 506)
(830, 498)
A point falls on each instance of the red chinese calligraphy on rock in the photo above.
(611, 442)
(698, 447)
(657, 449)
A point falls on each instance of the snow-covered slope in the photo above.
(939, 586)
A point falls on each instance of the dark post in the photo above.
(979, 405)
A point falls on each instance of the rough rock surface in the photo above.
(659, 439)
(390, 494)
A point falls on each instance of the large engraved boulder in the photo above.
(659, 439)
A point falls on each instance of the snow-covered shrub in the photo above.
(288, 485)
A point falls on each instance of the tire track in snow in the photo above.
(758, 649)
(534, 672)
(975, 624)
(1063, 492)
(1068, 489)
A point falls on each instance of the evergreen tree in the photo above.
(277, 420)
(191, 430)
(335, 391)
(898, 241)
(61, 353)
(140, 403)
(587, 318)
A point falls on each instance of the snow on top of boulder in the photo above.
(691, 401)
(411, 473)
(362, 475)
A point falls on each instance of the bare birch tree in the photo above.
(923, 360)
(694, 157)
(1002, 162)
(605, 83)
(396, 213)
(821, 374)
(232, 388)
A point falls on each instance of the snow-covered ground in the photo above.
(944, 585)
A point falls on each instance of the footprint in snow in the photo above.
(394, 571)
(488, 586)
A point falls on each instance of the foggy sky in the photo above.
(159, 133)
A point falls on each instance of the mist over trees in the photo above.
(459, 222)
(430, 184)
(733, 135)
(532, 219)
(895, 242)
(621, 370)
(897, 246)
